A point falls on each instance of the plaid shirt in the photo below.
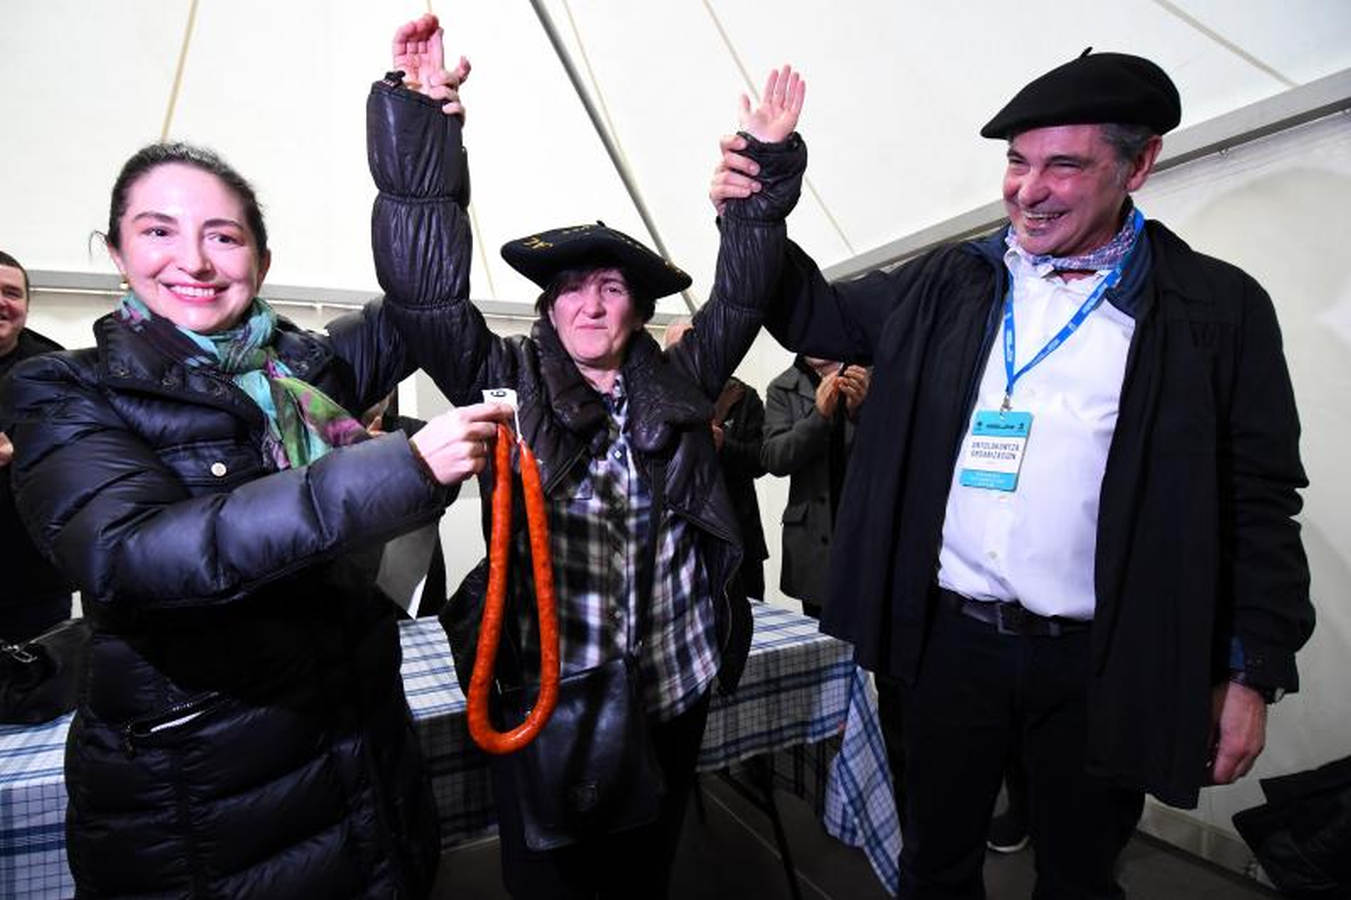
(598, 522)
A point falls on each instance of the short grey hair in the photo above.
(1128, 141)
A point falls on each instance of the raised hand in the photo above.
(775, 118)
(418, 50)
(457, 443)
(771, 121)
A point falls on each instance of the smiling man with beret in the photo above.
(1067, 526)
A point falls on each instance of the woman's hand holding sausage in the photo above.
(456, 444)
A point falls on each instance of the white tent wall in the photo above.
(897, 93)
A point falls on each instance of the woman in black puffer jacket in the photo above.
(199, 474)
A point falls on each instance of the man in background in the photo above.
(809, 429)
(32, 596)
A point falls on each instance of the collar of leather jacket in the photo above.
(662, 398)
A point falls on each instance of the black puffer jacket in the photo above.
(243, 732)
(422, 252)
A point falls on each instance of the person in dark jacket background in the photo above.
(809, 430)
(33, 596)
(738, 431)
(604, 410)
(1080, 535)
(199, 474)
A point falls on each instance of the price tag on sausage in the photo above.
(500, 395)
(507, 396)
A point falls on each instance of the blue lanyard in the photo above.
(1087, 307)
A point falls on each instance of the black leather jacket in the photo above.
(422, 251)
(243, 730)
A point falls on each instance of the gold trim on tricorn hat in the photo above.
(542, 256)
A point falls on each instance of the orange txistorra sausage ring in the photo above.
(490, 630)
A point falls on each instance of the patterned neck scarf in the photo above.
(1105, 257)
(303, 423)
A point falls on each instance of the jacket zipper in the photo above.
(173, 717)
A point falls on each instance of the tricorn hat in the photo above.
(541, 256)
(1096, 88)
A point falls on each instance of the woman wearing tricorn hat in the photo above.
(620, 429)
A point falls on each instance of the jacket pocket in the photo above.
(211, 466)
(164, 726)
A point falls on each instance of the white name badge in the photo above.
(995, 452)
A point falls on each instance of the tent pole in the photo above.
(546, 22)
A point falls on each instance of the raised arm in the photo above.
(752, 246)
(420, 232)
(807, 314)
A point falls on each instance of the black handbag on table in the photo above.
(592, 770)
(40, 679)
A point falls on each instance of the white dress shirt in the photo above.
(1036, 545)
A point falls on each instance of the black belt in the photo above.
(1011, 617)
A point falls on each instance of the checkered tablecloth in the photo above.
(33, 811)
(799, 688)
(860, 803)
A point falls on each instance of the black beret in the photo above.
(542, 256)
(1094, 89)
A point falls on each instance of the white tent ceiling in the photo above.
(897, 93)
